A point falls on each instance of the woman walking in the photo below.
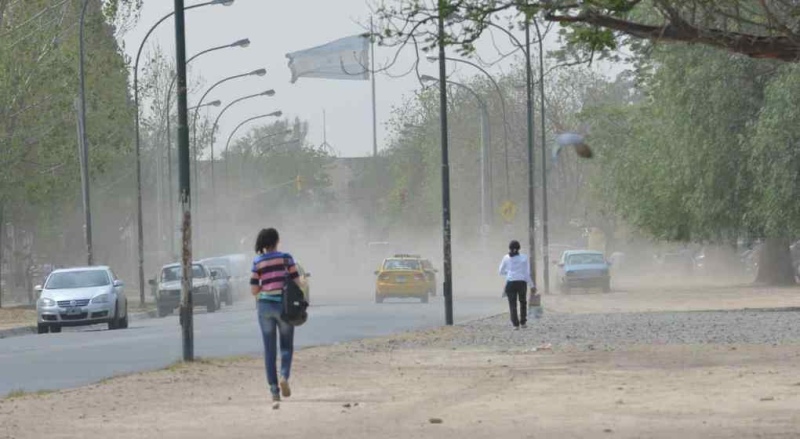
(271, 268)
(517, 271)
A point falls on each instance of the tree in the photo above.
(764, 29)
(39, 185)
(695, 160)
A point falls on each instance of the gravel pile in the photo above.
(609, 331)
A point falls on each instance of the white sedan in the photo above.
(81, 296)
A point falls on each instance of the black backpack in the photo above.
(295, 306)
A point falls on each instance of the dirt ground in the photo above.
(14, 317)
(375, 389)
(632, 295)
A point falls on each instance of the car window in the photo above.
(585, 259)
(401, 264)
(172, 274)
(77, 279)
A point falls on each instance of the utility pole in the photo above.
(187, 329)
(374, 104)
(84, 144)
(448, 264)
(545, 213)
(534, 298)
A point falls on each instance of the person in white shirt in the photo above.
(517, 270)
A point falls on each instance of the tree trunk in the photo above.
(775, 263)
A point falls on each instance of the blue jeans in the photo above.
(269, 318)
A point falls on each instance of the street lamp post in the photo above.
(485, 143)
(545, 212)
(239, 43)
(216, 124)
(258, 72)
(502, 105)
(246, 121)
(140, 233)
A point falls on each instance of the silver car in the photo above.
(81, 296)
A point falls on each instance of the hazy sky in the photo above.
(276, 28)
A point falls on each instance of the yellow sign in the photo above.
(508, 211)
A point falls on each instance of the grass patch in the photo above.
(20, 393)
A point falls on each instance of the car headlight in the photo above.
(45, 302)
(202, 290)
(103, 298)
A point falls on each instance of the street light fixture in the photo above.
(239, 43)
(257, 72)
(485, 143)
(244, 122)
(139, 216)
(216, 103)
(268, 93)
(434, 58)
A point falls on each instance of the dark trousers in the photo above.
(517, 291)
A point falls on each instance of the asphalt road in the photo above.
(80, 356)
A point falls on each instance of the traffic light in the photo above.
(298, 183)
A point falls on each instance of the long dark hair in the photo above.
(513, 248)
(267, 239)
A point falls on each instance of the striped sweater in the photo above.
(269, 273)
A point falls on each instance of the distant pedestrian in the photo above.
(517, 270)
(270, 270)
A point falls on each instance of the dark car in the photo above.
(168, 293)
(224, 285)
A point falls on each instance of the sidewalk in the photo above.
(429, 385)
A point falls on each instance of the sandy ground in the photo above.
(632, 295)
(376, 389)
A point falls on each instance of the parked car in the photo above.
(584, 269)
(222, 279)
(81, 296)
(238, 267)
(168, 294)
(402, 277)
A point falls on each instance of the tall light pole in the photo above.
(535, 299)
(446, 226)
(268, 93)
(545, 212)
(502, 105)
(187, 329)
(140, 232)
(84, 153)
(239, 43)
(258, 72)
(485, 143)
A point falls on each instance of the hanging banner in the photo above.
(346, 58)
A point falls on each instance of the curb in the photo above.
(31, 329)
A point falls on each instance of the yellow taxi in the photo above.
(402, 276)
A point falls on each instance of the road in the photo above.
(82, 356)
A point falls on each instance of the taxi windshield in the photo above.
(401, 264)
